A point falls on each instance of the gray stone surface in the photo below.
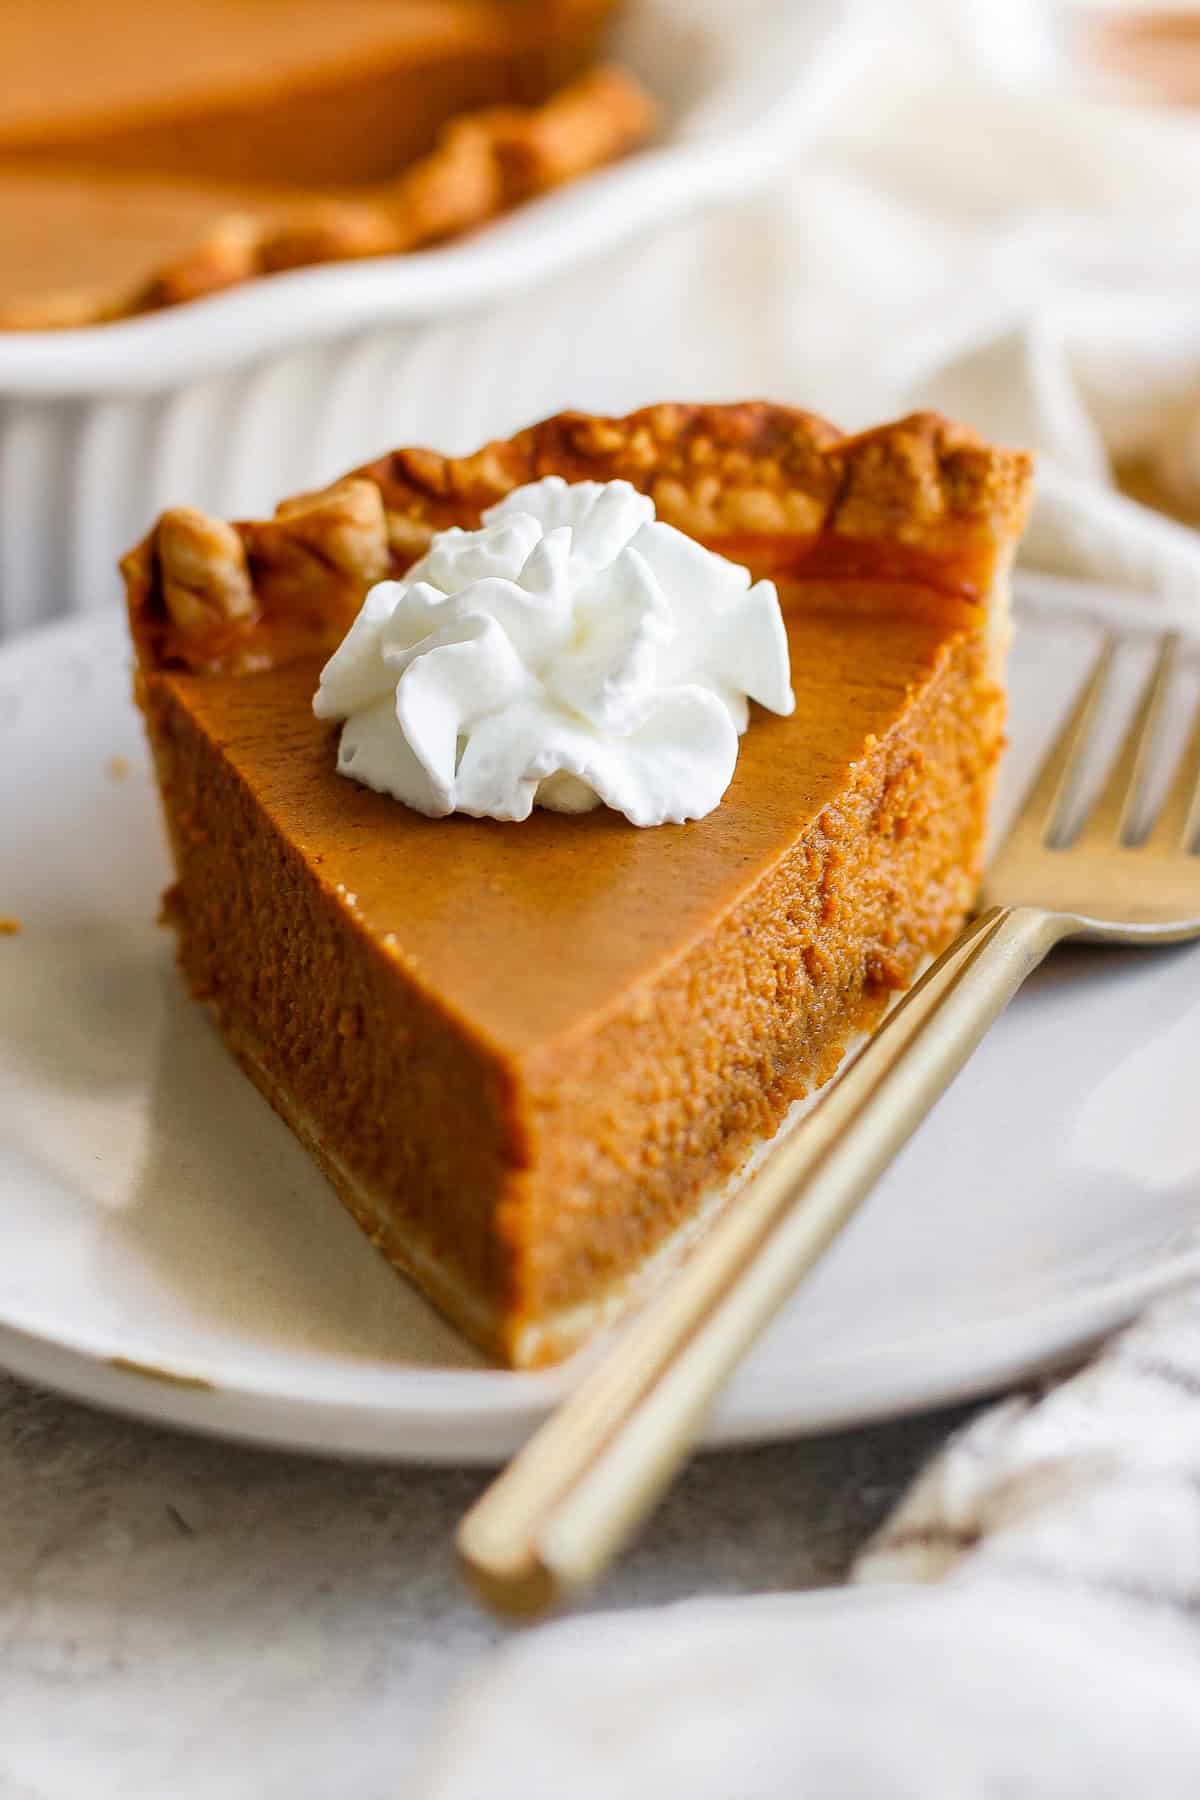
(186, 1617)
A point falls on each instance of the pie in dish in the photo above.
(527, 1055)
(152, 154)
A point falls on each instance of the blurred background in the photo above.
(250, 243)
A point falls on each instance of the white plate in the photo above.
(169, 1250)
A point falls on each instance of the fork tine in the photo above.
(1110, 815)
(1178, 823)
(1044, 801)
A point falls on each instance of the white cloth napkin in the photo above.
(973, 234)
(1026, 1624)
(970, 233)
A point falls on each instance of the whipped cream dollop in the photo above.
(575, 651)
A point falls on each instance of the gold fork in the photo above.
(568, 1502)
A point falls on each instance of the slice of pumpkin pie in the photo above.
(547, 821)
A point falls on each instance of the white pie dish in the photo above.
(281, 384)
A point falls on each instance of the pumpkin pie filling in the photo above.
(273, 91)
(528, 1055)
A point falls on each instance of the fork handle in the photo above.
(571, 1498)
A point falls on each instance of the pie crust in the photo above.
(920, 499)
